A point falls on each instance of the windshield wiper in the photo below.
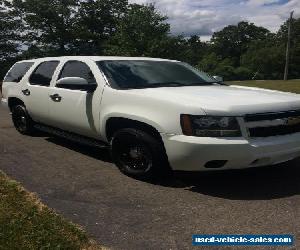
(158, 85)
(200, 84)
(168, 84)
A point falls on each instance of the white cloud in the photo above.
(203, 17)
(262, 2)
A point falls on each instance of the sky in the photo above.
(204, 17)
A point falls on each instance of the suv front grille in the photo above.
(272, 116)
(273, 131)
(273, 124)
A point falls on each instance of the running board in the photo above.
(71, 136)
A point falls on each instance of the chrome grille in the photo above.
(273, 124)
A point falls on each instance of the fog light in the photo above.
(215, 164)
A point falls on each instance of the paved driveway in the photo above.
(122, 213)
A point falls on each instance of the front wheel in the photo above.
(138, 154)
(21, 120)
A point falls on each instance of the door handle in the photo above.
(26, 92)
(56, 97)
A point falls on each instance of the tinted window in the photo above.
(77, 69)
(43, 73)
(17, 72)
(151, 74)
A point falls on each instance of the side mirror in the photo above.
(76, 83)
(218, 78)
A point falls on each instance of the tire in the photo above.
(22, 121)
(138, 154)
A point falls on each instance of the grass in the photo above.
(26, 223)
(287, 86)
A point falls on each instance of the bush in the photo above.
(242, 73)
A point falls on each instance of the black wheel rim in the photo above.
(134, 156)
(19, 119)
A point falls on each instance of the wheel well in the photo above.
(13, 101)
(116, 123)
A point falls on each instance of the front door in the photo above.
(75, 110)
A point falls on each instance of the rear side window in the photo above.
(43, 73)
(17, 72)
(77, 69)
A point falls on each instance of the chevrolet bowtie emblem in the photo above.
(292, 120)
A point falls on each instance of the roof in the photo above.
(98, 58)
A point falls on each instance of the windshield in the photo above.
(131, 74)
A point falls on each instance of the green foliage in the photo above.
(266, 59)
(245, 51)
(10, 38)
(243, 73)
(215, 65)
(49, 23)
(95, 23)
(209, 63)
(294, 70)
(192, 50)
(39, 28)
(233, 40)
(8, 34)
(142, 31)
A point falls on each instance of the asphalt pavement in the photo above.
(119, 212)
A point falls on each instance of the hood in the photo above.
(230, 100)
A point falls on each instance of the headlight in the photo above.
(210, 126)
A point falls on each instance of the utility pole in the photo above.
(287, 54)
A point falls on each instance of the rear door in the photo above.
(76, 110)
(11, 82)
(36, 91)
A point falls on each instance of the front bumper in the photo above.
(192, 153)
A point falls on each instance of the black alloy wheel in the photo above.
(137, 153)
(21, 120)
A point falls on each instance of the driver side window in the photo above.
(77, 69)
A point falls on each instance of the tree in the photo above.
(39, 28)
(209, 63)
(242, 73)
(10, 36)
(96, 23)
(49, 24)
(193, 50)
(233, 41)
(227, 50)
(294, 68)
(142, 31)
(265, 59)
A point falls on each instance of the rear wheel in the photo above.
(138, 154)
(21, 120)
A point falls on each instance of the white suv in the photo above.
(153, 113)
